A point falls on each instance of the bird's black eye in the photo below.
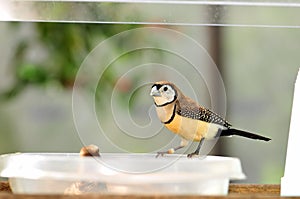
(165, 88)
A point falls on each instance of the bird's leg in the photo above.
(218, 133)
(183, 143)
(170, 151)
(196, 152)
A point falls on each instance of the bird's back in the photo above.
(186, 107)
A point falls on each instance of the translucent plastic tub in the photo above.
(119, 174)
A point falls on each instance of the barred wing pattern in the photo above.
(200, 113)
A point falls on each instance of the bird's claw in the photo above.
(191, 155)
(170, 151)
(161, 154)
(196, 155)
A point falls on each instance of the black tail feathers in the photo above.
(232, 131)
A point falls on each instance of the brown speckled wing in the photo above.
(190, 109)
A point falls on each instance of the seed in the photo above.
(90, 150)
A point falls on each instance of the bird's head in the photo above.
(164, 93)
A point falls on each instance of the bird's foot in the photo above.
(192, 155)
(162, 153)
(196, 155)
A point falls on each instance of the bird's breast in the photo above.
(165, 113)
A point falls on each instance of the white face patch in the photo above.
(167, 92)
(163, 94)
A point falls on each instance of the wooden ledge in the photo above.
(4, 187)
(235, 191)
(265, 189)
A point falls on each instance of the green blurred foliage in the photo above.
(62, 48)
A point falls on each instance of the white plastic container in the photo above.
(119, 174)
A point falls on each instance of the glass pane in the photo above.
(167, 12)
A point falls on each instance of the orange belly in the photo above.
(192, 129)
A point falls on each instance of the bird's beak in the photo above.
(154, 92)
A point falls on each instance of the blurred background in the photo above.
(39, 63)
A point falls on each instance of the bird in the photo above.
(192, 122)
